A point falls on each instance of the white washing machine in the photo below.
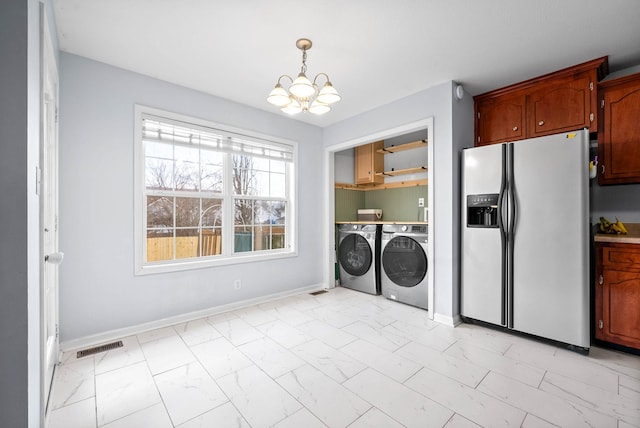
(404, 263)
(358, 257)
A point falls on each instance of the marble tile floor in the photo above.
(341, 359)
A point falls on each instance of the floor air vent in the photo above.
(315, 293)
(98, 349)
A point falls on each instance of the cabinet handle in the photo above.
(600, 280)
(541, 123)
(515, 128)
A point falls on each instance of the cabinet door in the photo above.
(363, 164)
(564, 104)
(500, 119)
(620, 134)
(368, 162)
(620, 308)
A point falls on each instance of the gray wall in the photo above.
(437, 102)
(14, 214)
(19, 216)
(344, 166)
(621, 201)
(98, 289)
(462, 138)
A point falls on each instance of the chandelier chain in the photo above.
(304, 62)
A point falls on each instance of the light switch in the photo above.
(420, 202)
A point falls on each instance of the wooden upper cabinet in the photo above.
(619, 133)
(564, 104)
(367, 162)
(565, 100)
(500, 119)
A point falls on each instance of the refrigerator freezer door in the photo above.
(481, 282)
(551, 238)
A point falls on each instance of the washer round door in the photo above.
(404, 261)
(355, 255)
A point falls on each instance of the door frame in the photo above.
(329, 258)
(47, 178)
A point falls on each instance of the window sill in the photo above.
(178, 266)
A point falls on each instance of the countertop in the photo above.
(633, 237)
(382, 222)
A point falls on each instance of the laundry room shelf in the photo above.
(405, 171)
(402, 147)
(394, 185)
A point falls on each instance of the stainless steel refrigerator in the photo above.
(525, 236)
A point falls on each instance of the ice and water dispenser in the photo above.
(482, 210)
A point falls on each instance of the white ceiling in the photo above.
(375, 51)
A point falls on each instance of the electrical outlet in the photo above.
(237, 284)
(420, 202)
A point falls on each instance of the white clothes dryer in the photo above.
(405, 262)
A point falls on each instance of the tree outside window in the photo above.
(185, 171)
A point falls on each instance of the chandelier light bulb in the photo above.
(303, 94)
(279, 96)
(319, 108)
(328, 94)
(293, 107)
(302, 87)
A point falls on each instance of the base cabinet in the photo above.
(617, 297)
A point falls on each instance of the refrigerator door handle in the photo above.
(512, 217)
(502, 226)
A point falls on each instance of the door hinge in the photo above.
(478, 115)
(478, 139)
(591, 86)
(591, 117)
(602, 169)
(600, 325)
(56, 115)
(57, 331)
(602, 103)
(600, 280)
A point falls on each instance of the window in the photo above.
(207, 196)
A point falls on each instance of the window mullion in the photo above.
(175, 234)
(228, 210)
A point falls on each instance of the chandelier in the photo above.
(303, 95)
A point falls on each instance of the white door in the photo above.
(51, 257)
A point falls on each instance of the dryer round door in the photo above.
(355, 255)
(404, 261)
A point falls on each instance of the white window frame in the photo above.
(226, 258)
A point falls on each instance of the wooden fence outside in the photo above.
(161, 248)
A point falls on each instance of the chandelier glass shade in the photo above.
(303, 94)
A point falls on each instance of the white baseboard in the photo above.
(111, 335)
(447, 320)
